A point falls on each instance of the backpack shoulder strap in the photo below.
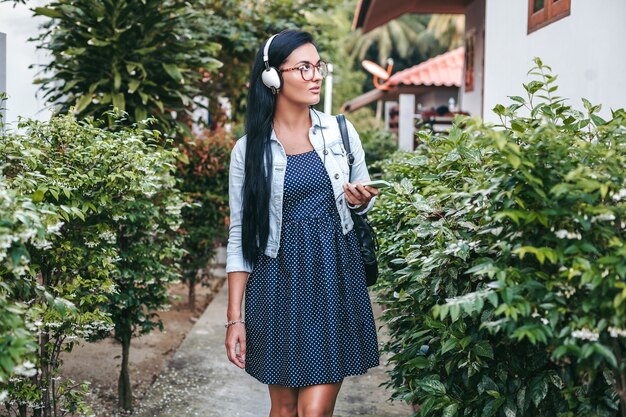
(343, 129)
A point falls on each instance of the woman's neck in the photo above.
(291, 117)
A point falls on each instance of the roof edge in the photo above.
(360, 13)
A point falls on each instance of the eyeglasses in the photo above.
(307, 70)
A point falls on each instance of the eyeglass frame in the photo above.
(299, 67)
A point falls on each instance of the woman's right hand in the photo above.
(236, 335)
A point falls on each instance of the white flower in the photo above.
(566, 234)
(608, 217)
(42, 244)
(617, 332)
(108, 236)
(26, 369)
(585, 334)
(54, 228)
(619, 195)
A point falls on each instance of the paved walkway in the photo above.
(200, 381)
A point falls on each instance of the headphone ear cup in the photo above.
(271, 79)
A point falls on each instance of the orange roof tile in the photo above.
(445, 69)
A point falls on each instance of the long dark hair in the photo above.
(260, 110)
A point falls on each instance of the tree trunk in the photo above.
(124, 389)
(621, 392)
(620, 378)
(192, 293)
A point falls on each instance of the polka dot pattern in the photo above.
(308, 314)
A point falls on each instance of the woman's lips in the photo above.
(315, 90)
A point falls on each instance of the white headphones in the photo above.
(270, 75)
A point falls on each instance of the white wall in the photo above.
(19, 25)
(586, 50)
(3, 73)
(475, 21)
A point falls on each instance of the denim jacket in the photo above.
(336, 167)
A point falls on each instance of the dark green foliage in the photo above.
(378, 145)
(105, 263)
(505, 250)
(242, 26)
(204, 175)
(145, 57)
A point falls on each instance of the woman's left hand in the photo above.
(359, 195)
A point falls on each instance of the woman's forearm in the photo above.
(236, 288)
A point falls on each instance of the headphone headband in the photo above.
(266, 51)
(270, 75)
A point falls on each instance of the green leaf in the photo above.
(173, 71)
(538, 390)
(518, 127)
(82, 103)
(492, 407)
(448, 345)
(119, 101)
(483, 349)
(117, 79)
(514, 160)
(510, 410)
(451, 410)
(48, 12)
(427, 406)
(140, 114)
(606, 353)
(38, 196)
(132, 85)
(597, 120)
(432, 386)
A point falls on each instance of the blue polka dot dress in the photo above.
(308, 314)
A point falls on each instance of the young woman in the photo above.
(291, 247)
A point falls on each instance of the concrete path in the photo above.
(200, 381)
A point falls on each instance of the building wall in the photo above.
(3, 72)
(18, 24)
(586, 50)
(471, 102)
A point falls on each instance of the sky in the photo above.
(19, 25)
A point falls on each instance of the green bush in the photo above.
(115, 255)
(22, 223)
(147, 58)
(204, 182)
(505, 261)
(378, 145)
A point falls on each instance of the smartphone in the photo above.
(380, 184)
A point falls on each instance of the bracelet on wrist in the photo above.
(353, 206)
(231, 322)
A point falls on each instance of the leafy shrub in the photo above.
(506, 263)
(378, 145)
(147, 58)
(22, 223)
(204, 182)
(110, 265)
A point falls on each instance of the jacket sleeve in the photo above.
(234, 253)
(359, 167)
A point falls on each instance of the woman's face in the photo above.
(295, 89)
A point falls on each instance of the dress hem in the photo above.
(314, 383)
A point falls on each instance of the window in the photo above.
(543, 12)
